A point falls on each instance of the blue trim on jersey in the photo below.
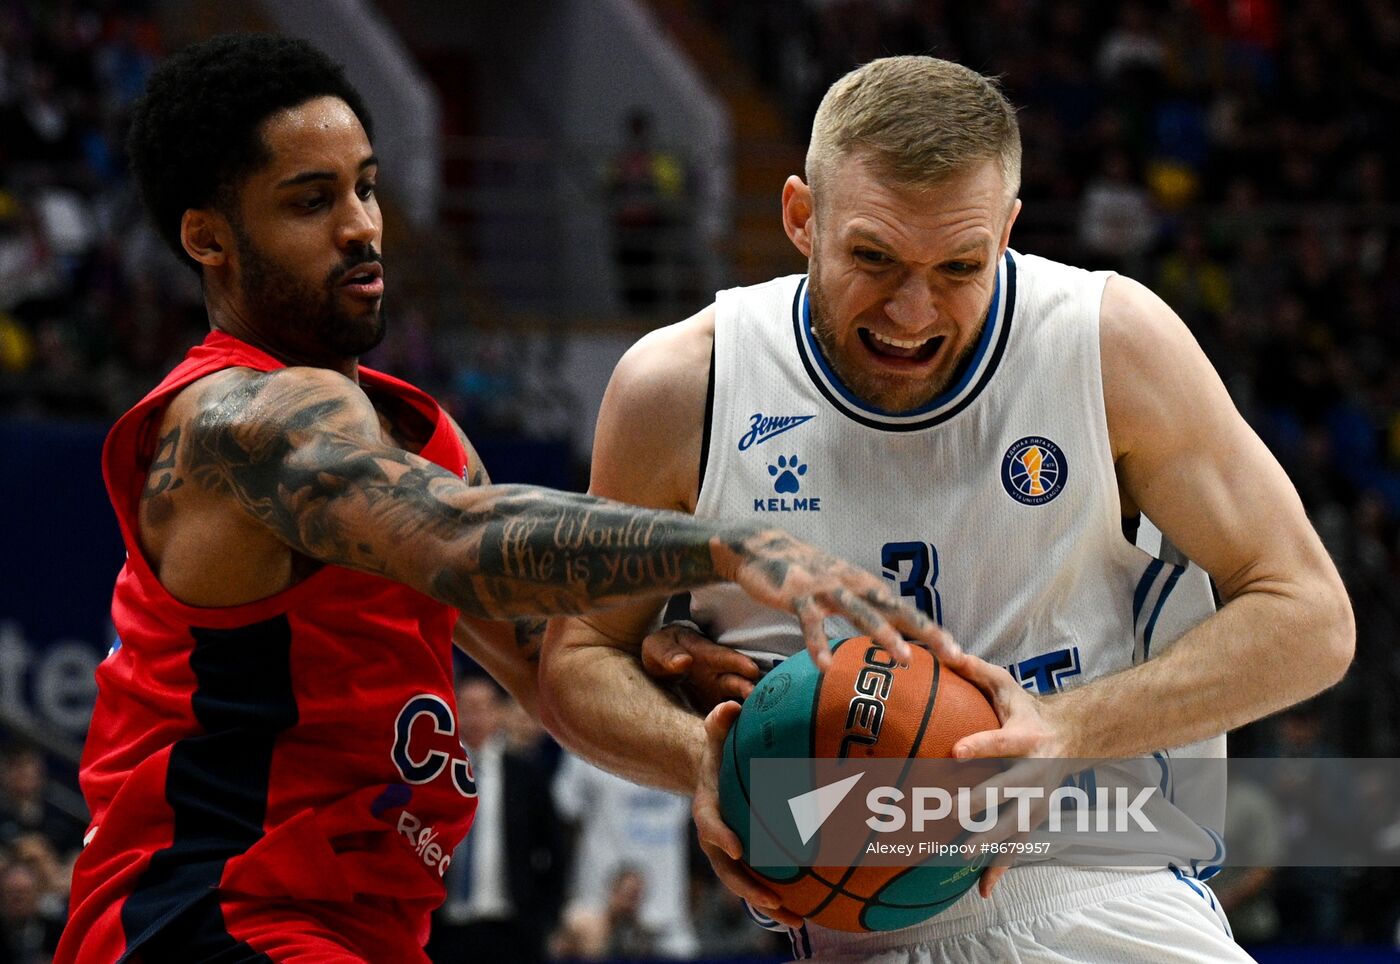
(1215, 863)
(244, 698)
(801, 944)
(991, 346)
(1165, 784)
(762, 919)
(1149, 576)
(1202, 870)
(988, 330)
(1157, 611)
(1203, 890)
(1188, 881)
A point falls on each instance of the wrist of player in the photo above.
(740, 546)
(1060, 733)
(692, 759)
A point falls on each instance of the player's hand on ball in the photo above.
(1027, 730)
(1028, 726)
(706, 672)
(786, 573)
(720, 844)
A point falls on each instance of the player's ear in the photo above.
(205, 236)
(797, 214)
(1010, 220)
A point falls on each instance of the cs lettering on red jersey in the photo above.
(426, 744)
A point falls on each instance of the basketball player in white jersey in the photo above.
(982, 427)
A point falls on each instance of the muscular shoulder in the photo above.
(1134, 323)
(675, 359)
(647, 446)
(219, 473)
(296, 400)
(260, 407)
(1160, 390)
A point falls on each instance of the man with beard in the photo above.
(990, 431)
(273, 765)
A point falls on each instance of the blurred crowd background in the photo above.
(1236, 155)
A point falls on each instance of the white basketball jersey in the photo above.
(994, 508)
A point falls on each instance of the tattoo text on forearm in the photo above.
(514, 550)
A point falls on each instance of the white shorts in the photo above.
(1054, 915)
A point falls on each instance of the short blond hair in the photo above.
(919, 119)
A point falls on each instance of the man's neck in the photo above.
(349, 367)
(233, 323)
(228, 313)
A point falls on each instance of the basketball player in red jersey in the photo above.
(273, 767)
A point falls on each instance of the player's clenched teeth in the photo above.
(916, 349)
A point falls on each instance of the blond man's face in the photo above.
(900, 280)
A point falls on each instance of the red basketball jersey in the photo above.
(301, 748)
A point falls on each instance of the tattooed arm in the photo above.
(646, 451)
(302, 452)
(509, 651)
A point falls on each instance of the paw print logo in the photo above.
(786, 472)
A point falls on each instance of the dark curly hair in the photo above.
(194, 133)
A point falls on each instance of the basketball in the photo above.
(800, 712)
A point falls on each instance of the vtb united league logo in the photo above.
(787, 473)
(1034, 470)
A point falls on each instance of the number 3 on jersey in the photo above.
(919, 580)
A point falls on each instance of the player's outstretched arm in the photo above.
(302, 452)
(510, 649)
(598, 702)
(1187, 459)
(507, 649)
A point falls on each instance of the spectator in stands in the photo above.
(28, 270)
(27, 934)
(526, 738)
(621, 824)
(722, 923)
(1117, 224)
(1134, 46)
(646, 186)
(615, 932)
(506, 880)
(54, 875)
(24, 806)
(1311, 898)
(1194, 283)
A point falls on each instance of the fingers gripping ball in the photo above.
(800, 712)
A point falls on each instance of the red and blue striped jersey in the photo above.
(299, 748)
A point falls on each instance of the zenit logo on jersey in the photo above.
(1034, 470)
(787, 473)
(763, 427)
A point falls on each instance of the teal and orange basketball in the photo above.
(797, 712)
